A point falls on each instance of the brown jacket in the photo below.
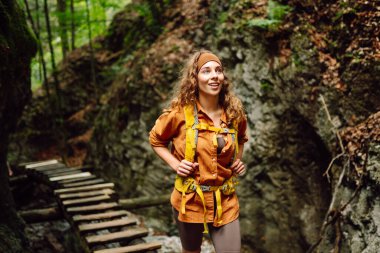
(213, 168)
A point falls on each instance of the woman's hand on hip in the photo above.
(186, 168)
(238, 167)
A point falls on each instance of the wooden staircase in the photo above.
(91, 206)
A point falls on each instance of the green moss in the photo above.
(223, 16)
(296, 60)
(15, 34)
(266, 86)
(276, 13)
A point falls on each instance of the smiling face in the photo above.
(210, 79)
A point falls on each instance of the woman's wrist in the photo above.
(176, 166)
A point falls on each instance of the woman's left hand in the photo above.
(238, 167)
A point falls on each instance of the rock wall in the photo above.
(17, 47)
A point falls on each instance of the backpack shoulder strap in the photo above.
(191, 133)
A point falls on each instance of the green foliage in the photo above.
(276, 12)
(144, 11)
(266, 86)
(263, 23)
(101, 12)
(223, 16)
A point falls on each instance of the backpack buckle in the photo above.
(205, 188)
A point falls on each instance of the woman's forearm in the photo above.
(166, 156)
(240, 153)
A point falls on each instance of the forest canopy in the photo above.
(67, 25)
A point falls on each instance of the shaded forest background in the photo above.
(308, 75)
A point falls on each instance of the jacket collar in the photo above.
(223, 117)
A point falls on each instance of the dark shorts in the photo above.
(226, 239)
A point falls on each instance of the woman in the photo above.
(206, 125)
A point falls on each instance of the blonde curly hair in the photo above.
(187, 91)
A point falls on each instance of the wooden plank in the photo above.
(117, 236)
(86, 194)
(41, 215)
(85, 188)
(91, 208)
(84, 183)
(78, 175)
(133, 248)
(82, 201)
(59, 171)
(107, 224)
(74, 180)
(65, 173)
(65, 168)
(31, 165)
(50, 167)
(100, 216)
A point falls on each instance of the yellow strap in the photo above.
(236, 146)
(200, 193)
(190, 133)
(214, 141)
(218, 205)
(190, 145)
(183, 200)
(204, 126)
(235, 126)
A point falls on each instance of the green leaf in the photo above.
(277, 11)
(262, 23)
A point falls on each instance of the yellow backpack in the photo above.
(188, 184)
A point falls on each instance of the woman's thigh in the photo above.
(191, 234)
(226, 239)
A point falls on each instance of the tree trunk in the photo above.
(93, 75)
(61, 8)
(41, 215)
(36, 30)
(17, 47)
(72, 13)
(141, 202)
(54, 69)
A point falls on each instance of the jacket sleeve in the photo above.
(242, 131)
(164, 130)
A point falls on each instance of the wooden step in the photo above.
(49, 167)
(64, 173)
(82, 201)
(133, 248)
(78, 175)
(86, 194)
(74, 180)
(31, 165)
(117, 236)
(100, 216)
(85, 188)
(107, 224)
(59, 171)
(84, 183)
(91, 208)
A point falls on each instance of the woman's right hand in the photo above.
(186, 168)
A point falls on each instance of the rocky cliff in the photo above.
(307, 73)
(17, 47)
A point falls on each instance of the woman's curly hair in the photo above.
(187, 91)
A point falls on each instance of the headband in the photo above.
(206, 57)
